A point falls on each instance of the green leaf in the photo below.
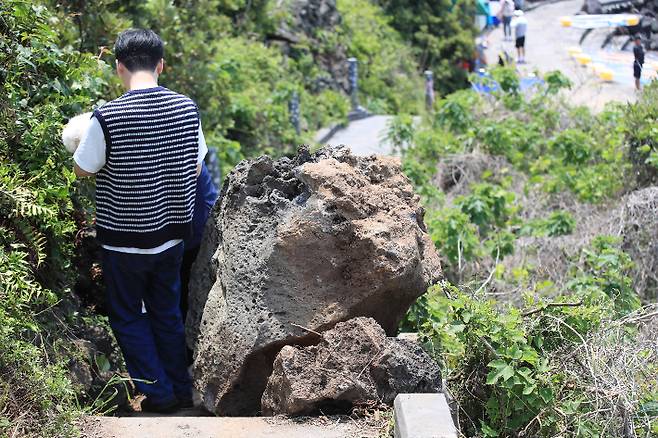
(102, 363)
(527, 390)
(488, 431)
(546, 394)
(515, 352)
(501, 369)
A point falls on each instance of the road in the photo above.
(546, 49)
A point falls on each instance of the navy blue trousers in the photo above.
(152, 343)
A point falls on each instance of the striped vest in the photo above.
(145, 192)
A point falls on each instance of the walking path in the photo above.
(224, 427)
(364, 137)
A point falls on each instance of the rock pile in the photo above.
(304, 242)
(354, 362)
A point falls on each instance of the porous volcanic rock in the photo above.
(404, 367)
(299, 242)
(355, 362)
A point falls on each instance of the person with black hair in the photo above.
(638, 62)
(520, 25)
(145, 150)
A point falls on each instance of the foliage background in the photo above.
(511, 371)
(541, 327)
(56, 62)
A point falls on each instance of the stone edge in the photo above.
(423, 416)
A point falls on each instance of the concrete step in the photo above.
(224, 427)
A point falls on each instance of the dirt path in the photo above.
(546, 49)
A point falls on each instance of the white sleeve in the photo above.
(90, 155)
(203, 147)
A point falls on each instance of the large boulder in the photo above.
(302, 242)
(354, 363)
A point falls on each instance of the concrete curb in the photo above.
(324, 135)
(423, 416)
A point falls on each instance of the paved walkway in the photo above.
(224, 427)
(546, 49)
(364, 137)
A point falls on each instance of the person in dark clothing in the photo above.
(206, 195)
(638, 63)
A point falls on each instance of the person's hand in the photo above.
(74, 130)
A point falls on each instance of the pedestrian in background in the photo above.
(638, 63)
(520, 24)
(506, 13)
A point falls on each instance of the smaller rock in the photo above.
(404, 367)
(80, 368)
(354, 362)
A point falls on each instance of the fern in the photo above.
(34, 240)
(19, 205)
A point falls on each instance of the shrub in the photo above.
(442, 34)
(456, 112)
(559, 223)
(512, 371)
(571, 357)
(556, 81)
(388, 76)
(571, 146)
(487, 206)
(642, 136)
(454, 235)
(584, 155)
(400, 132)
(42, 84)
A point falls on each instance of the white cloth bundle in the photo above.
(74, 130)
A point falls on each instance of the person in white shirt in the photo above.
(520, 25)
(145, 151)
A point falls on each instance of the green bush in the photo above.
(559, 223)
(641, 133)
(487, 206)
(42, 84)
(509, 369)
(388, 76)
(536, 367)
(442, 34)
(457, 111)
(571, 146)
(586, 157)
